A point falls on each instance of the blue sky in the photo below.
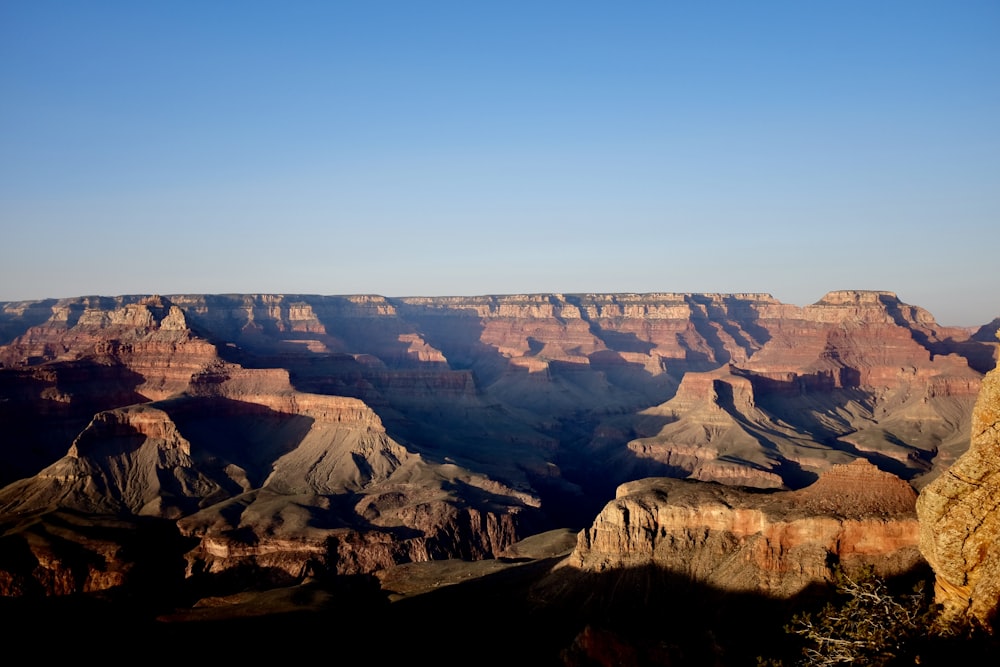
(430, 148)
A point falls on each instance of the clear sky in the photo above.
(432, 148)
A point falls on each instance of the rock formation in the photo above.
(855, 516)
(288, 433)
(858, 371)
(960, 520)
(264, 477)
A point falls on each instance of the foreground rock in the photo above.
(854, 517)
(960, 520)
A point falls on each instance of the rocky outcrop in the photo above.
(854, 517)
(713, 432)
(960, 520)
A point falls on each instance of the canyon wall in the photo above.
(290, 433)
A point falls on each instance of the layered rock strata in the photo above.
(960, 520)
(288, 432)
(853, 517)
(264, 477)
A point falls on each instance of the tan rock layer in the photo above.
(960, 520)
(777, 544)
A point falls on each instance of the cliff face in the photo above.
(859, 372)
(264, 477)
(960, 520)
(148, 336)
(288, 432)
(854, 516)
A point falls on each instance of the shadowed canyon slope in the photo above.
(285, 434)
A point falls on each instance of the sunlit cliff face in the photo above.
(960, 529)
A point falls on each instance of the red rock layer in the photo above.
(149, 338)
(855, 516)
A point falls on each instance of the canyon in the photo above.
(216, 442)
